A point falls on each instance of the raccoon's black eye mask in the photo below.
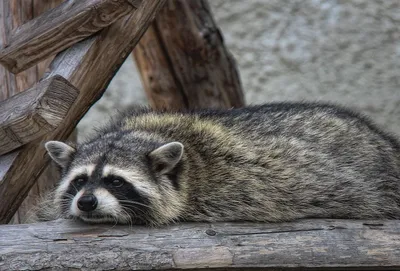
(109, 181)
(114, 181)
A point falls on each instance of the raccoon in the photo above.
(267, 163)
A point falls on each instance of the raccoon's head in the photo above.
(119, 179)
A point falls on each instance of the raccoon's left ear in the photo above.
(165, 158)
(60, 152)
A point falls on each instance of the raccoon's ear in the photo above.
(60, 152)
(165, 158)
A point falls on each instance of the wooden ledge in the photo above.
(314, 244)
(59, 28)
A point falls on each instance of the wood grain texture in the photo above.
(58, 29)
(13, 14)
(40, 7)
(317, 244)
(89, 65)
(33, 113)
(48, 177)
(183, 61)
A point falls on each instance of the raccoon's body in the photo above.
(275, 162)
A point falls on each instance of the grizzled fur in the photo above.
(274, 162)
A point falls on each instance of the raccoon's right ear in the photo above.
(165, 158)
(60, 152)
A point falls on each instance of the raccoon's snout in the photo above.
(87, 203)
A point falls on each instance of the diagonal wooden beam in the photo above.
(31, 114)
(301, 245)
(59, 28)
(89, 65)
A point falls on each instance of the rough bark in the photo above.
(183, 61)
(31, 114)
(89, 65)
(58, 29)
(317, 244)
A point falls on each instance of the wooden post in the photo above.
(89, 67)
(183, 61)
(301, 245)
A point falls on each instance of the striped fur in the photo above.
(275, 162)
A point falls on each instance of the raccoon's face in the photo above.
(110, 183)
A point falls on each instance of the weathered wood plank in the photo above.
(322, 244)
(89, 65)
(13, 14)
(58, 29)
(31, 114)
(183, 60)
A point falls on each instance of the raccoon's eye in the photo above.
(114, 181)
(117, 182)
(80, 181)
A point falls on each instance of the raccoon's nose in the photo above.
(87, 203)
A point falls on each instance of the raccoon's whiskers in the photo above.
(136, 203)
(135, 207)
(127, 217)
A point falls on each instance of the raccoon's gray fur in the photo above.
(274, 162)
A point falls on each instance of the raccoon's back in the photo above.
(319, 125)
(315, 123)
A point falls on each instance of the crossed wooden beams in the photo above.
(92, 39)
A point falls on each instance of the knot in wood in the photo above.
(211, 232)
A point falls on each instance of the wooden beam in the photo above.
(14, 13)
(316, 244)
(35, 112)
(183, 60)
(59, 28)
(89, 66)
(22, 12)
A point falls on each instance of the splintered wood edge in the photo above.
(30, 114)
(45, 35)
(314, 243)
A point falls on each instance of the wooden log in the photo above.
(58, 29)
(15, 13)
(89, 65)
(301, 245)
(35, 112)
(183, 61)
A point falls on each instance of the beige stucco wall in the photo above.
(345, 51)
